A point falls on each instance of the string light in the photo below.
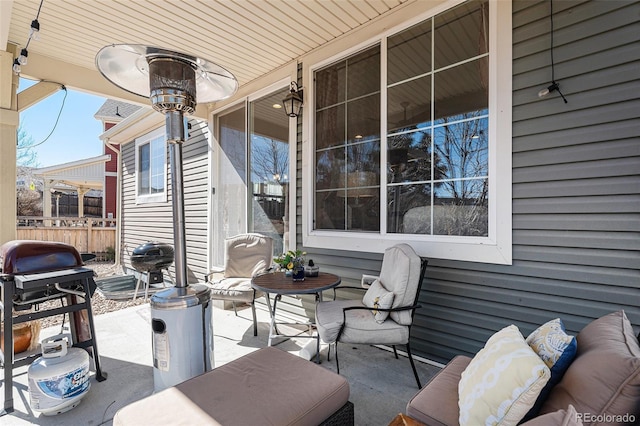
(34, 34)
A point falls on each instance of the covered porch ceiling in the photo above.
(250, 38)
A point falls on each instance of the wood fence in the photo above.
(86, 234)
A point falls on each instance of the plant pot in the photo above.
(21, 338)
(298, 274)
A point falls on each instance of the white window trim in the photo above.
(497, 247)
(160, 197)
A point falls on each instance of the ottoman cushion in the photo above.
(266, 387)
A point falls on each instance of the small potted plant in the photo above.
(292, 262)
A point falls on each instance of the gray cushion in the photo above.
(400, 274)
(361, 325)
(266, 387)
(238, 289)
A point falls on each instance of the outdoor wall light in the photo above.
(292, 103)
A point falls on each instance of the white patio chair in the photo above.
(385, 314)
(246, 255)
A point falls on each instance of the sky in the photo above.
(76, 135)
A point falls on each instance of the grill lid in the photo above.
(152, 256)
(28, 257)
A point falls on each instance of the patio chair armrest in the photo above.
(346, 287)
(367, 280)
(398, 309)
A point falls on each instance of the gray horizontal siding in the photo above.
(576, 190)
(154, 222)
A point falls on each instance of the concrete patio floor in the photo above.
(380, 385)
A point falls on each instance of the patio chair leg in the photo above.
(234, 307)
(395, 352)
(337, 363)
(413, 366)
(329, 352)
(255, 320)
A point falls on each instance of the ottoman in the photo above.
(266, 387)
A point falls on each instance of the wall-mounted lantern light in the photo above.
(292, 103)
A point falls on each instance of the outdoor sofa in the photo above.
(600, 386)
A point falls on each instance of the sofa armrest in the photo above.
(437, 402)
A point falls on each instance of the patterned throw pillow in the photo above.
(557, 349)
(377, 297)
(502, 382)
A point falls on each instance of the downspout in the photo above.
(118, 194)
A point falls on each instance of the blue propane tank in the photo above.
(59, 379)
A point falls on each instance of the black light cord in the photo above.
(62, 86)
(554, 86)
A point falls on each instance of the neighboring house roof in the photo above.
(114, 111)
(87, 173)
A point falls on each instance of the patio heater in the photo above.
(173, 81)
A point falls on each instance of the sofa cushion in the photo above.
(377, 297)
(266, 387)
(557, 349)
(604, 379)
(436, 404)
(502, 382)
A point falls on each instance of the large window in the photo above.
(151, 168)
(407, 136)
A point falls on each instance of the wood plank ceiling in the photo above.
(248, 37)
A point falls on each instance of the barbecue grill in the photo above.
(151, 258)
(32, 272)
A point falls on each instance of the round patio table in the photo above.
(278, 283)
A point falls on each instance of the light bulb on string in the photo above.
(34, 33)
(16, 66)
(23, 57)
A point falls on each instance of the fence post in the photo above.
(89, 236)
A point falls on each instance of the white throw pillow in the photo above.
(502, 382)
(377, 297)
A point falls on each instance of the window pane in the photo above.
(330, 210)
(347, 145)
(330, 85)
(460, 89)
(462, 149)
(330, 166)
(409, 157)
(158, 161)
(363, 73)
(330, 128)
(409, 53)
(461, 33)
(409, 209)
(363, 119)
(231, 192)
(409, 105)
(144, 163)
(269, 169)
(461, 208)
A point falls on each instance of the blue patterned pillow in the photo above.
(557, 349)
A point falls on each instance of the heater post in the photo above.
(177, 193)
